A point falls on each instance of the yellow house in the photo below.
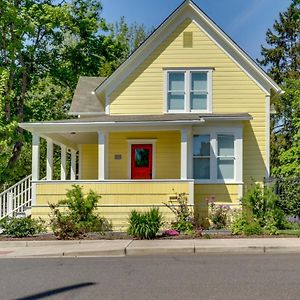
(188, 111)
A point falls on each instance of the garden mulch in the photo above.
(125, 236)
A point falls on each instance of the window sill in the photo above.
(187, 112)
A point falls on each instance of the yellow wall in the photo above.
(222, 194)
(119, 198)
(167, 157)
(233, 90)
(89, 161)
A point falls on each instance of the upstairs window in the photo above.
(176, 91)
(188, 91)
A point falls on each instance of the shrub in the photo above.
(80, 216)
(263, 204)
(261, 213)
(218, 214)
(145, 225)
(22, 227)
(182, 212)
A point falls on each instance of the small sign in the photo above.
(118, 156)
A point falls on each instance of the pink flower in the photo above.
(171, 232)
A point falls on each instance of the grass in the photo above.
(289, 232)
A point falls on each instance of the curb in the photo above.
(26, 249)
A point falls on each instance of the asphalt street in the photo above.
(209, 276)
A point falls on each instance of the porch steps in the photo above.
(16, 201)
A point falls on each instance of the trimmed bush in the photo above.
(145, 225)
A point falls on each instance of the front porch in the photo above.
(140, 163)
(103, 162)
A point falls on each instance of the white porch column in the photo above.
(184, 154)
(49, 167)
(63, 162)
(35, 156)
(73, 164)
(102, 153)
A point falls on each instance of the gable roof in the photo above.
(188, 9)
(85, 101)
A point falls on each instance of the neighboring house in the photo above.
(188, 111)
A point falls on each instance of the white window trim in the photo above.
(187, 101)
(237, 132)
(141, 142)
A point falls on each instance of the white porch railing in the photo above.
(16, 199)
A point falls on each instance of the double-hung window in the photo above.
(188, 91)
(176, 91)
(218, 155)
(225, 156)
(201, 156)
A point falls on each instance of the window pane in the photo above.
(141, 158)
(201, 168)
(199, 81)
(175, 101)
(201, 145)
(198, 101)
(176, 81)
(225, 168)
(225, 145)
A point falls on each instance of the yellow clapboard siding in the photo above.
(167, 156)
(89, 162)
(222, 194)
(233, 90)
(118, 199)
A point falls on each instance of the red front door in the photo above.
(141, 161)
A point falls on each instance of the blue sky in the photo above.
(245, 21)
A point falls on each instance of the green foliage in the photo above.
(283, 54)
(145, 225)
(261, 213)
(218, 215)
(79, 217)
(183, 214)
(45, 46)
(22, 227)
(286, 137)
(282, 59)
(289, 189)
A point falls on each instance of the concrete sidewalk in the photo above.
(103, 248)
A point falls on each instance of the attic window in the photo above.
(188, 40)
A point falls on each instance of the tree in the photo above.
(282, 59)
(283, 56)
(289, 155)
(44, 46)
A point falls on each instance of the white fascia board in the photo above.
(141, 53)
(213, 31)
(86, 113)
(85, 126)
